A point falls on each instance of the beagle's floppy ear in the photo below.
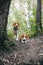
(13, 24)
(27, 36)
(18, 23)
(20, 37)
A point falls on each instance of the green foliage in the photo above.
(9, 44)
(10, 34)
(18, 16)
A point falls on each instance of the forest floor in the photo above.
(30, 53)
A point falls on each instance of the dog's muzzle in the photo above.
(16, 28)
(24, 41)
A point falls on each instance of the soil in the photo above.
(30, 53)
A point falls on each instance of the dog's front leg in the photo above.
(17, 35)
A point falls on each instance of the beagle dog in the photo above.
(24, 38)
(15, 29)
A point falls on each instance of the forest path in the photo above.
(29, 53)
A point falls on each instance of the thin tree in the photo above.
(38, 15)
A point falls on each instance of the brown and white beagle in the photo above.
(15, 29)
(24, 38)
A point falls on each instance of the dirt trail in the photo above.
(30, 53)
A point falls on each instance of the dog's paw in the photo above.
(17, 39)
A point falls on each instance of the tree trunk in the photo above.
(4, 10)
(38, 16)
